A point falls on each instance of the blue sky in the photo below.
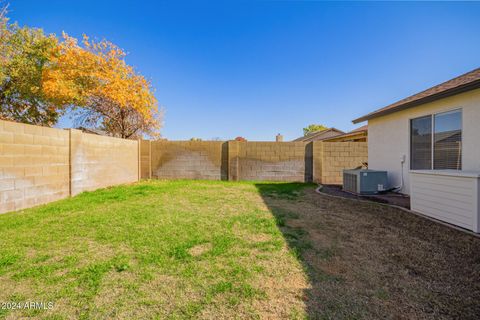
(255, 69)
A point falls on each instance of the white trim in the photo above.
(450, 172)
(476, 212)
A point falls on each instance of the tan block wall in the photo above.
(39, 165)
(189, 160)
(34, 165)
(321, 162)
(272, 161)
(99, 161)
(331, 158)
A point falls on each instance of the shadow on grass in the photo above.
(366, 261)
(321, 284)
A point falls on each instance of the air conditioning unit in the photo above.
(364, 181)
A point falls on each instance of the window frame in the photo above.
(432, 115)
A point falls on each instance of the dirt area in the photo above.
(367, 261)
(397, 199)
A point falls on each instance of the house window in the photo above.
(421, 143)
(447, 145)
(436, 141)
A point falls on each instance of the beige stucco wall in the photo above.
(34, 165)
(388, 136)
(99, 161)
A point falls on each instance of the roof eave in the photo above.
(441, 95)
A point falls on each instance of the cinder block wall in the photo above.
(232, 160)
(273, 161)
(99, 161)
(39, 165)
(189, 160)
(322, 162)
(34, 165)
(331, 158)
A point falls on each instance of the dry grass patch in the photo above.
(200, 249)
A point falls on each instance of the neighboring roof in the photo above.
(466, 82)
(360, 132)
(359, 129)
(317, 135)
(448, 136)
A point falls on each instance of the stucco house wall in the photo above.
(389, 136)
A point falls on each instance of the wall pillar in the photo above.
(75, 137)
(145, 159)
(233, 148)
(317, 161)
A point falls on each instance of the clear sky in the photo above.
(255, 69)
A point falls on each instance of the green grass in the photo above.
(156, 249)
(223, 250)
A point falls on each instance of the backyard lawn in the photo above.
(201, 249)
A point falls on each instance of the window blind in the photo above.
(447, 147)
(421, 143)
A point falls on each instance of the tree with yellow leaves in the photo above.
(24, 54)
(102, 90)
(41, 77)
